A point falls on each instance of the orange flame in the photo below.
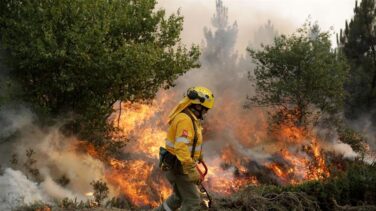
(304, 165)
(136, 177)
(140, 181)
(133, 179)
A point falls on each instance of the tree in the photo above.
(219, 58)
(264, 35)
(300, 76)
(78, 58)
(100, 191)
(358, 43)
(5, 84)
(220, 43)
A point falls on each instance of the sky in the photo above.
(285, 15)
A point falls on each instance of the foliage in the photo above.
(300, 76)
(63, 180)
(5, 84)
(353, 189)
(78, 58)
(100, 191)
(251, 198)
(68, 203)
(264, 35)
(35, 206)
(119, 203)
(358, 42)
(29, 165)
(356, 185)
(220, 42)
(60, 205)
(14, 160)
(353, 138)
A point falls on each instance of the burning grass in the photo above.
(353, 189)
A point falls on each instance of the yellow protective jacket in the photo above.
(180, 137)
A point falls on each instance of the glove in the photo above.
(193, 175)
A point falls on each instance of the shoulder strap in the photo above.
(195, 135)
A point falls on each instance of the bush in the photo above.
(36, 206)
(353, 187)
(70, 204)
(100, 191)
(353, 138)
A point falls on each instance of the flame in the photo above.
(304, 165)
(133, 179)
(291, 134)
(291, 157)
(89, 194)
(223, 182)
(136, 176)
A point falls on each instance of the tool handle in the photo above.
(210, 201)
(202, 174)
(201, 186)
(205, 167)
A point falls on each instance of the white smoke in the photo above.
(14, 120)
(226, 74)
(342, 149)
(56, 156)
(55, 191)
(366, 127)
(17, 190)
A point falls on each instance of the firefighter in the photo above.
(183, 150)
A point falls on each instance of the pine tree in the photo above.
(265, 35)
(220, 44)
(357, 42)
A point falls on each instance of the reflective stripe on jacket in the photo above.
(180, 137)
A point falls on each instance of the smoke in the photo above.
(250, 15)
(12, 122)
(54, 157)
(344, 149)
(367, 127)
(227, 31)
(55, 191)
(17, 190)
(225, 71)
